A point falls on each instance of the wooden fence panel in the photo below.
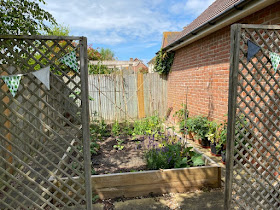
(116, 96)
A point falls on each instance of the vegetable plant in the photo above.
(119, 145)
(116, 129)
(182, 115)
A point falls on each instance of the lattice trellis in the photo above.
(253, 147)
(44, 134)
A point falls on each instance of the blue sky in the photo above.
(130, 28)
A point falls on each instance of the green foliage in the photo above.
(93, 54)
(213, 133)
(99, 69)
(98, 128)
(172, 155)
(199, 125)
(148, 126)
(58, 30)
(116, 129)
(182, 115)
(119, 145)
(164, 62)
(127, 128)
(107, 54)
(24, 17)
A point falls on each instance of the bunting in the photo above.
(44, 76)
(70, 60)
(12, 82)
(275, 60)
(252, 49)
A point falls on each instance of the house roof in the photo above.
(168, 37)
(213, 12)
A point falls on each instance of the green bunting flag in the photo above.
(12, 82)
(70, 60)
(275, 60)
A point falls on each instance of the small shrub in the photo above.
(172, 155)
(148, 126)
(182, 115)
(199, 125)
(116, 129)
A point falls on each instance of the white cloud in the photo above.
(113, 18)
(130, 27)
(190, 7)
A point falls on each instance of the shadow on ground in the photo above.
(198, 200)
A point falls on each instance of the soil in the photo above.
(111, 160)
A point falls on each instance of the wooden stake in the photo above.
(140, 95)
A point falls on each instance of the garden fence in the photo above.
(253, 140)
(44, 134)
(127, 96)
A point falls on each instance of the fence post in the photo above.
(85, 121)
(234, 64)
(140, 95)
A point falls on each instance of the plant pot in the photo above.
(191, 135)
(223, 154)
(214, 150)
(205, 143)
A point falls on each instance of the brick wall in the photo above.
(201, 70)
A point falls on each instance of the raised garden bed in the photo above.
(123, 172)
(156, 182)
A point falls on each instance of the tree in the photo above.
(107, 54)
(59, 30)
(24, 17)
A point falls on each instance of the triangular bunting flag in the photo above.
(70, 60)
(12, 82)
(44, 76)
(252, 49)
(275, 60)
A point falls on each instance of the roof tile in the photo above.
(214, 10)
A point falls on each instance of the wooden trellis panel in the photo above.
(44, 134)
(253, 142)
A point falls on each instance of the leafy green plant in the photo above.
(116, 129)
(164, 62)
(24, 17)
(119, 145)
(148, 126)
(127, 128)
(98, 129)
(95, 198)
(94, 147)
(199, 125)
(172, 155)
(182, 115)
(212, 134)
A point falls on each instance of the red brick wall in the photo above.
(201, 70)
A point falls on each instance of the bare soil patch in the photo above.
(111, 160)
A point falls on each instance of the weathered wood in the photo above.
(143, 183)
(7, 124)
(140, 95)
(85, 121)
(42, 124)
(234, 64)
(253, 166)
